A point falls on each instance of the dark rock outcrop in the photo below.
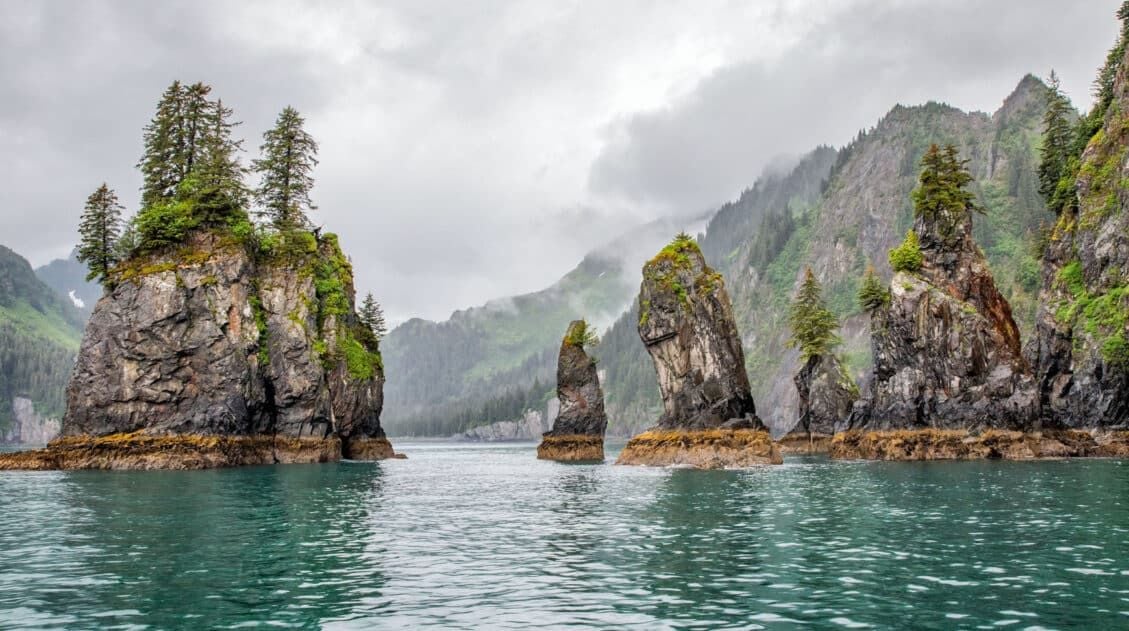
(686, 323)
(578, 430)
(826, 396)
(208, 342)
(946, 349)
(1081, 348)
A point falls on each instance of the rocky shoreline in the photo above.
(702, 449)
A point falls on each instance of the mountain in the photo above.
(39, 336)
(68, 277)
(489, 363)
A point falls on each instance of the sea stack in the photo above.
(949, 379)
(686, 323)
(578, 430)
(212, 353)
(827, 394)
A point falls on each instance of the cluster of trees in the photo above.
(813, 325)
(193, 177)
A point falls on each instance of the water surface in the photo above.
(471, 536)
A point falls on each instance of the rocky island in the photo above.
(217, 342)
(686, 324)
(949, 378)
(578, 430)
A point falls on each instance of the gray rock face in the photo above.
(530, 426)
(1081, 348)
(686, 323)
(578, 389)
(28, 426)
(826, 394)
(208, 341)
(946, 349)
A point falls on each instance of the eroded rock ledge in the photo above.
(937, 444)
(572, 448)
(702, 449)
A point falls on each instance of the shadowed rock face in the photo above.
(686, 323)
(946, 349)
(826, 395)
(1081, 347)
(205, 341)
(578, 430)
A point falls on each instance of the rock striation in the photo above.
(204, 355)
(578, 430)
(1081, 348)
(826, 396)
(946, 349)
(686, 324)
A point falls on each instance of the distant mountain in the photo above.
(39, 337)
(441, 375)
(839, 216)
(68, 277)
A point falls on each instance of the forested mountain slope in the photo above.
(39, 336)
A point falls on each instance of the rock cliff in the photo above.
(28, 426)
(1081, 349)
(205, 342)
(826, 396)
(578, 430)
(946, 348)
(686, 323)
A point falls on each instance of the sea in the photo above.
(485, 536)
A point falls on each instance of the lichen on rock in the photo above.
(687, 325)
(578, 430)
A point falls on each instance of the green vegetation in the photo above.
(581, 334)
(289, 154)
(941, 196)
(1056, 150)
(813, 325)
(907, 257)
(872, 294)
(372, 316)
(99, 229)
(1103, 316)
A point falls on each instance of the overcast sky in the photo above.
(473, 149)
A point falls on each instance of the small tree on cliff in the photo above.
(372, 316)
(941, 195)
(99, 229)
(289, 154)
(872, 293)
(1056, 151)
(583, 334)
(907, 257)
(813, 324)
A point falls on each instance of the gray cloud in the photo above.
(843, 75)
(477, 149)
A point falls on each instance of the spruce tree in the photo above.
(941, 195)
(813, 324)
(163, 140)
(288, 156)
(872, 293)
(372, 316)
(218, 172)
(99, 229)
(1057, 139)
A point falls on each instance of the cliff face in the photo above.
(826, 395)
(1081, 349)
(28, 426)
(686, 323)
(946, 349)
(578, 430)
(205, 341)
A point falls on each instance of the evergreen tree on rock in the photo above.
(288, 156)
(813, 324)
(1056, 150)
(99, 230)
(372, 316)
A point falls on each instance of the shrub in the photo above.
(907, 257)
(872, 293)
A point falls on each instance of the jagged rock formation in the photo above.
(686, 322)
(207, 349)
(578, 430)
(531, 425)
(946, 349)
(1081, 349)
(827, 394)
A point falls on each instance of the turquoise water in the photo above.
(466, 536)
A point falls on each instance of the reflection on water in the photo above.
(486, 536)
